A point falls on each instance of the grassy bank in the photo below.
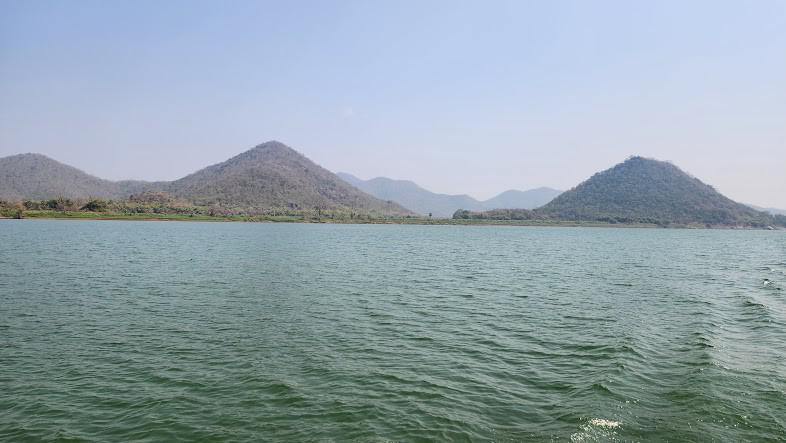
(154, 216)
(88, 215)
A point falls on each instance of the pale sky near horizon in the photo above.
(460, 97)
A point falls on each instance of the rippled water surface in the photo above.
(118, 331)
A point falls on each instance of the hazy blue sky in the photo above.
(461, 97)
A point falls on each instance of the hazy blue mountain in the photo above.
(273, 175)
(412, 196)
(423, 201)
(773, 211)
(38, 177)
(642, 190)
(530, 199)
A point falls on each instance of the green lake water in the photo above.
(172, 331)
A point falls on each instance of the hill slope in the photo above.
(273, 175)
(38, 177)
(650, 191)
(423, 201)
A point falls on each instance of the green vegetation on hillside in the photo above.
(496, 214)
(164, 206)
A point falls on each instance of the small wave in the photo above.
(587, 318)
(600, 387)
(754, 304)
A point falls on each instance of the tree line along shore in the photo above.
(152, 210)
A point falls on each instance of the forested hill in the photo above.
(38, 177)
(273, 175)
(642, 190)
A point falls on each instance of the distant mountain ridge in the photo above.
(529, 199)
(423, 201)
(411, 196)
(270, 175)
(773, 211)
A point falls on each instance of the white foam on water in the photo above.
(603, 423)
(596, 429)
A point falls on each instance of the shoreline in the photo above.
(94, 216)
